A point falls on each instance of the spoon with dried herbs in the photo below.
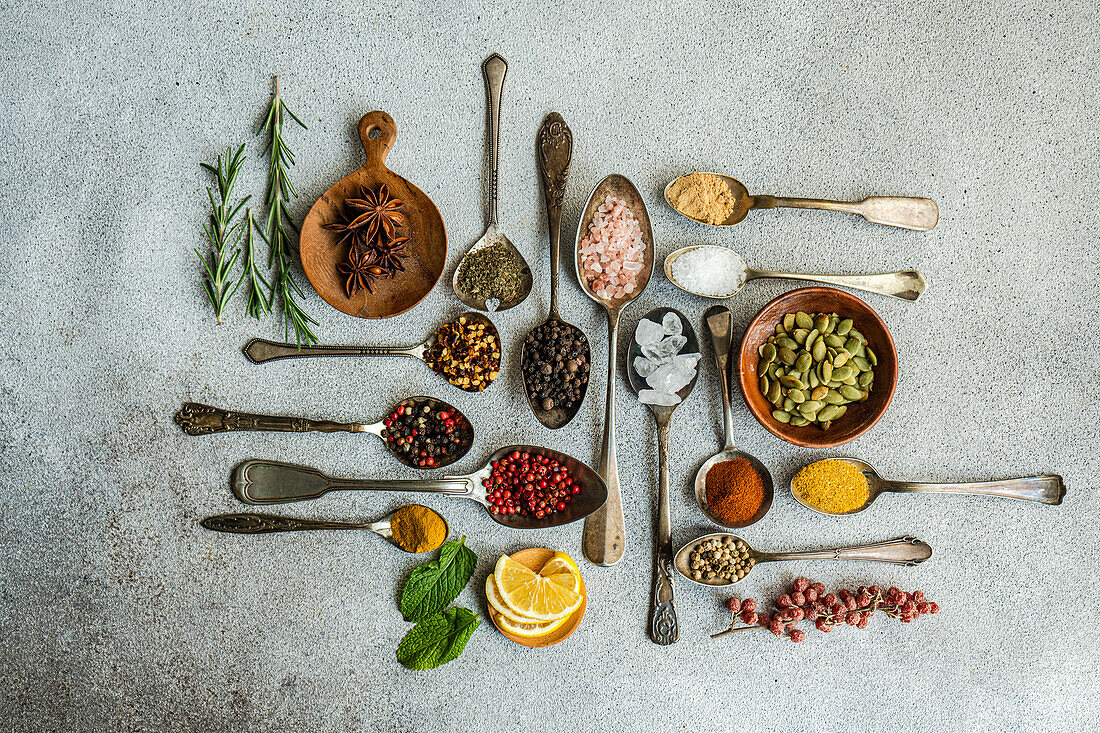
(465, 351)
(492, 275)
(556, 360)
(421, 432)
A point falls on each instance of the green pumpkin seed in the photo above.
(798, 421)
(791, 382)
(844, 327)
(826, 372)
(764, 384)
(828, 412)
(833, 340)
(864, 397)
(797, 395)
(818, 350)
(833, 397)
(862, 364)
(850, 392)
(834, 319)
(864, 380)
(843, 409)
(819, 393)
(789, 404)
(768, 352)
(800, 335)
(779, 330)
(851, 345)
(850, 379)
(821, 323)
(858, 336)
(842, 372)
(812, 380)
(788, 322)
(803, 320)
(762, 367)
(826, 425)
(810, 406)
(840, 359)
(861, 351)
(871, 356)
(781, 416)
(803, 362)
(834, 384)
(775, 393)
(786, 343)
(787, 356)
(772, 370)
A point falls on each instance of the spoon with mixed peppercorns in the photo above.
(555, 360)
(421, 432)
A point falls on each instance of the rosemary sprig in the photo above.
(279, 221)
(257, 283)
(223, 233)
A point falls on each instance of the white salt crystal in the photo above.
(672, 324)
(644, 367)
(654, 397)
(648, 332)
(669, 378)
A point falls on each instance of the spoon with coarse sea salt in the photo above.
(719, 272)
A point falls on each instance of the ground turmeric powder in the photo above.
(417, 528)
(834, 487)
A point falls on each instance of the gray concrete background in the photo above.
(119, 613)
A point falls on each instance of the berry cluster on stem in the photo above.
(808, 601)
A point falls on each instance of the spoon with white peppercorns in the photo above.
(556, 359)
(720, 559)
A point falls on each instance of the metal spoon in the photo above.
(274, 482)
(906, 285)
(901, 551)
(494, 70)
(555, 150)
(719, 322)
(259, 351)
(604, 532)
(198, 419)
(664, 626)
(1045, 488)
(247, 523)
(907, 212)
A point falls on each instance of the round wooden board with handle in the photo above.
(534, 558)
(427, 245)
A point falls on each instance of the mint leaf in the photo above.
(433, 585)
(437, 639)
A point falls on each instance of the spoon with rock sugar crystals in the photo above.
(719, 272)
(664, 626)
(907, 212)
(901, 551)
(1045, 488)
(494, 69)
(719, 321)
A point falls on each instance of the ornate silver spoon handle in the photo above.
(245, 523)
(259, 351)
(664, 625)
(906, 285)
(555, 151)
(274, 482)
(901, 551)
(494, 68)
(198, 419)
(604, 539)
(1046, 488)
(907, 212)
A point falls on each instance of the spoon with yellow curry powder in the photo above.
(840, 486)
(412, 528)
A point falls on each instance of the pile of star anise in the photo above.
(370, 225)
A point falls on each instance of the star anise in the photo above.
(388, 255)
(381, 216)
(359, 272)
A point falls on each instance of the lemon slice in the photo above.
(538, 628)
(497, 603)
(533, 595)
(562, 570)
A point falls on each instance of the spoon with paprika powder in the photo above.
(733, 489)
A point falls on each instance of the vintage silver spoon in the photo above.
(555, 150)
(259, 351)
(248, 523)
(274, 482)
(604, 532)
(494, 70)
(719, 322)
(906, 285)
(1046, 488)
(664, 625)
(900, 551)
(907, 212)
(198, 419)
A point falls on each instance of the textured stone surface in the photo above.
(117, 612)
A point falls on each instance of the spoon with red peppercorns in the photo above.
(521, 486)
(421, 432)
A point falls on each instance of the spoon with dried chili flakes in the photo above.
(465, 351)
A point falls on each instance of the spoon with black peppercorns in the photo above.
(421, 432)
(555, 360)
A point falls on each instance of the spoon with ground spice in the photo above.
(412, 528)
(733, 489)
(840, 486)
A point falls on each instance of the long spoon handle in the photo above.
(1046, 488)
(555, 151)
(907, 212)
(259, 351)
(494, 68)
(719, 322)
(274, 482)
(245, 523)
(664, 625)
(906, 285)
(197, 419)
(901, 551)
(604, 529)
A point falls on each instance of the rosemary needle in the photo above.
(257, 283)
(223, 233)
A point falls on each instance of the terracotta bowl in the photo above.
(860, 417)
